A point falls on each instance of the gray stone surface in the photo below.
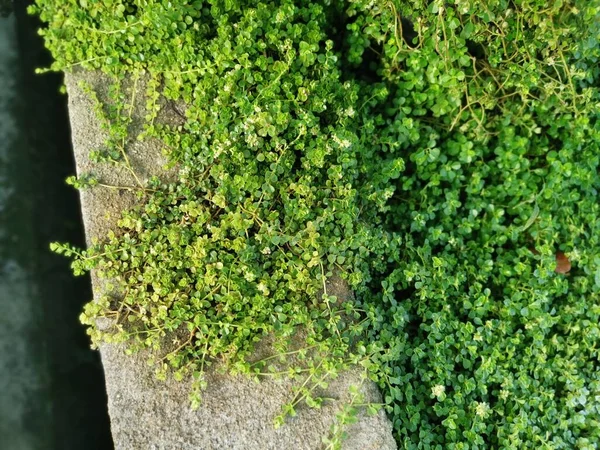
(236, 412)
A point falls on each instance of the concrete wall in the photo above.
(236, 413)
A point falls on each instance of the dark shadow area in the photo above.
(476, 50)
(73, 387)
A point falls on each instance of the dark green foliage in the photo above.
(502, 154)
(438, 155)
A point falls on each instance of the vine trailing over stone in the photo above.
(441, 156)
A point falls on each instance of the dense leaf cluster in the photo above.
(440, 156)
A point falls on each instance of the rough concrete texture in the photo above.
(236, 412)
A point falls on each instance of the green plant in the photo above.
(440, 156)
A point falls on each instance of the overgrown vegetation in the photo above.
(441, 156)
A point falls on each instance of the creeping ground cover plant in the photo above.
(441, 157)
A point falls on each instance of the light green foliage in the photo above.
(436, 154)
